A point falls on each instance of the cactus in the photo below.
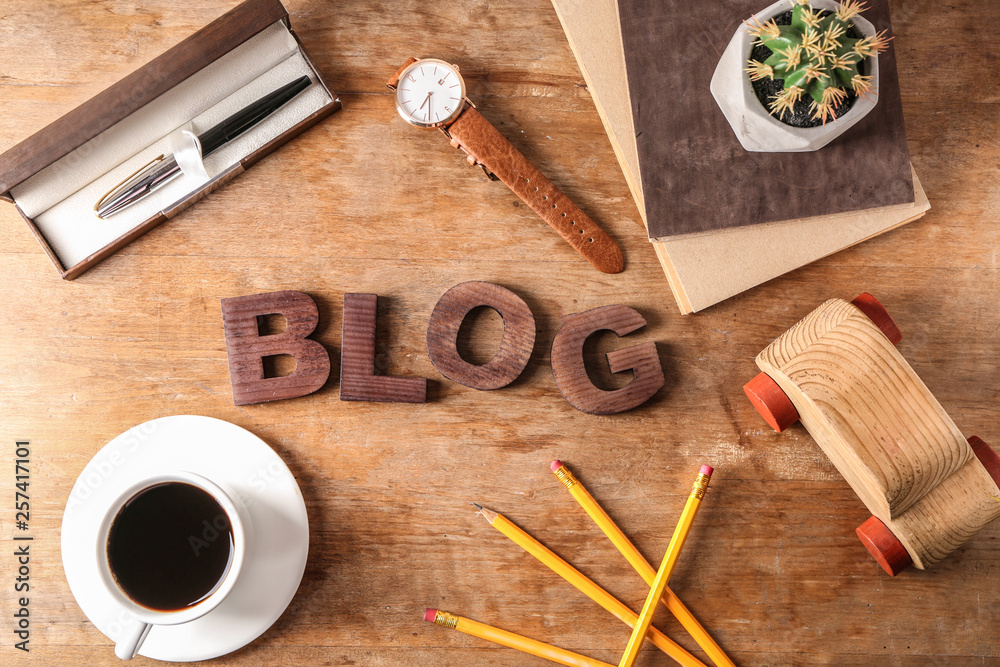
(814, 56)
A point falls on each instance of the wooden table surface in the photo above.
(364, 203)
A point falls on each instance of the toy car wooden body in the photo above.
(838, 371)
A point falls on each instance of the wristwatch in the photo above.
(430, 93)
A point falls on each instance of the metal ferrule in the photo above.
(445, 619)
(566, 477)
(700, 486)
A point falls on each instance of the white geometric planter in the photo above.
(759, 131)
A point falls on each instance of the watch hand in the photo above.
(424, 102)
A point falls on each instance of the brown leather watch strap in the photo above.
(394, 79)
(487, 147)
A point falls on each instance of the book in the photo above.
(703, 269)
(697, 177)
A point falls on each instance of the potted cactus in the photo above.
(794, 78)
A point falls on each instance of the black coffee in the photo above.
(170, 546)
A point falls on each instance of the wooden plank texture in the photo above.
(363, 203)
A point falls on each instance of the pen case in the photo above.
(56, 176)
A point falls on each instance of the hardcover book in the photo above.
(705, 268)
(695, 175)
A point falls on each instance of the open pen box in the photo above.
(56, 176)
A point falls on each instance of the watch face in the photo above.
(430, 93)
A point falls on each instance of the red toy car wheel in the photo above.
(771, 402)
(877, 313)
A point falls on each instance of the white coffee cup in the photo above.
(128, 645)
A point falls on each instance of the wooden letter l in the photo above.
(358, 381)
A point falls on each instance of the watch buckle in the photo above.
(469, 157)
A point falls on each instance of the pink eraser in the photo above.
(430, 614)
(707, 470)
(556, 465)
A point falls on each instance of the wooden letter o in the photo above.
(571, 374)
(515, 347)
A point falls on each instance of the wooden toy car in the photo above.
(928, 488)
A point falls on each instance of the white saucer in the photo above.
(247, 467)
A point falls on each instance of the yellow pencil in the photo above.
(666, 567)
(511, 640)
(641, 565)
(585, 585)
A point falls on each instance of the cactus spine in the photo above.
(814, 56)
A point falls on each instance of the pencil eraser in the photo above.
(430, 614)
(556, 465)
(707, 470)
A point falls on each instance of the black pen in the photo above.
(162, 170)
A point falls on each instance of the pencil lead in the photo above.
(478, 506)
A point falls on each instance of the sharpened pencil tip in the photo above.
(486, 513)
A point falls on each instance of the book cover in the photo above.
(695, 175)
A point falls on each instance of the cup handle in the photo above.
(129, 644)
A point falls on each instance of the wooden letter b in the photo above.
(246, 348)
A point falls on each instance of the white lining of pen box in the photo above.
(60, 199)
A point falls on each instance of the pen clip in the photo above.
(127, 183)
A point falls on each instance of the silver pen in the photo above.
(164, 169)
